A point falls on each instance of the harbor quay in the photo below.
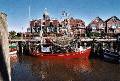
(59, 40)
(46, 39)
(66, 39)
(94, 42)
(67, 33)
(53, 50)
(51, 39)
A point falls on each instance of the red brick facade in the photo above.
(97, 25)
(77, 26)
(76, 23)
(113, 25)
(37, 23)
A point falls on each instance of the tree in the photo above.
(12, 34)
(19, 35)
(88, 31)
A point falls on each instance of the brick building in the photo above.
(77, 24)
(74, 26)
(97, 25)
(53, 26)
(113, 25)
(47, 25)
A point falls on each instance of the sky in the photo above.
(18, 10)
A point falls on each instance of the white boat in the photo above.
(13, 50)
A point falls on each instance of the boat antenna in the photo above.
(29, 12)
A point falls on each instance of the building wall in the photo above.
(73, 25)
(113, 25)
(97, 25)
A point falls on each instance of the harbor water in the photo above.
(27, 68)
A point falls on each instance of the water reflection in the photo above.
(34, 69)
(57, 69)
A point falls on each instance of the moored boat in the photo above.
(13, 51)
(81, 52)
(112, 56)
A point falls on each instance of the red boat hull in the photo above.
(82, 54)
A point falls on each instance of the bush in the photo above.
(95, 34)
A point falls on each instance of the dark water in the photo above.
(28, 68)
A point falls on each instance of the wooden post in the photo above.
(20, 50)
(5, 71)
(26, 48)
(93, 47)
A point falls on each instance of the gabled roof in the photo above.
(96, 21)
(113, 17)
(98, 18)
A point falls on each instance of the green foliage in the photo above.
(89, 34)
(93, 34)
(19, 35)
(12, 34)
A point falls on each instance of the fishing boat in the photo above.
(79, 54)
(53, 50)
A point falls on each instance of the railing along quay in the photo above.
(99, 40)
(82, 40)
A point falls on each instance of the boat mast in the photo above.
(41, 32)
(29, 13)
